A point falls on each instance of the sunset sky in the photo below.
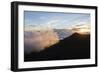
(56, 20)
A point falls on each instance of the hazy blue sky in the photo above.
(55, 19)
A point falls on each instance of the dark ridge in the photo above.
(76, 46)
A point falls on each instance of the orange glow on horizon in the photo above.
(81, 29)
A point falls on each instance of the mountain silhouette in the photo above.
(76, 46)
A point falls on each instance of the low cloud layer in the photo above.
(38, 40)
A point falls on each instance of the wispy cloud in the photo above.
(55, 20)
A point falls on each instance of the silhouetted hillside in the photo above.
(76, 46)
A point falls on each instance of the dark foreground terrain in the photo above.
(74, 47)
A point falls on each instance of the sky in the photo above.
(55, 20)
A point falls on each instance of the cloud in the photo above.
(36, 41)
(81, 28)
